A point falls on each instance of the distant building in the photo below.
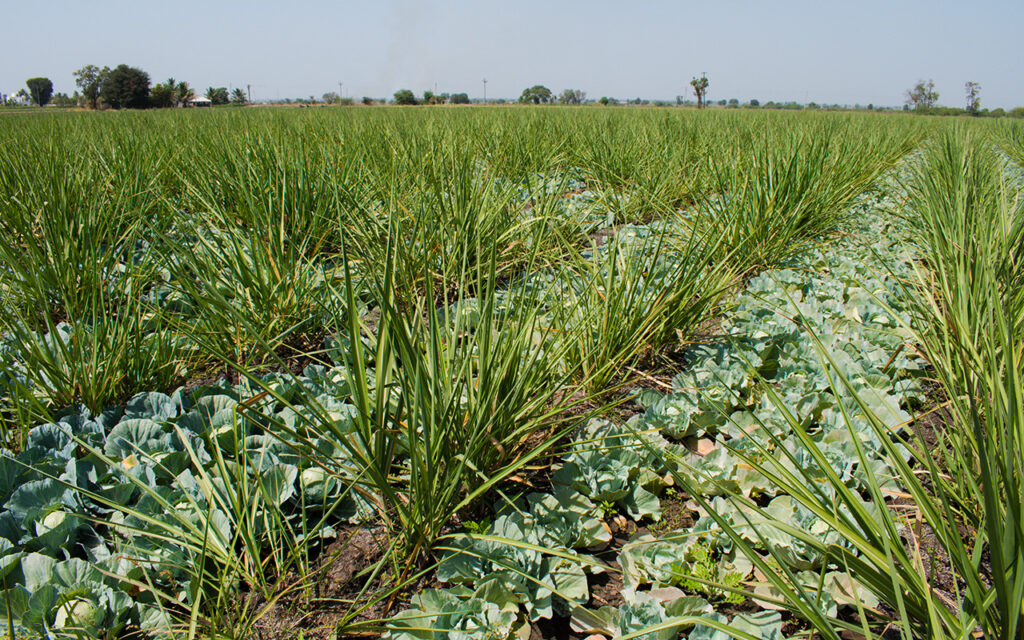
(200, 101)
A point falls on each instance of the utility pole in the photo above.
(249, 87)
(485, 91)
(341, 94)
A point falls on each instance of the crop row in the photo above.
(384, 321)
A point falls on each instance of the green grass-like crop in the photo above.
(474, 283)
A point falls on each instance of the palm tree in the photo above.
(700, 87)
(171, 84)
(184, 93)
(217, 95)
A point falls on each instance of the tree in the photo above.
(64, 101)
(171, 93)
(404, 96)
(161, 96)
(90, 79)
(367, 100)
(923, 96)
(603, 101)
(537, 94)
(755, 103)
(734, 103)
(459, 98)
(700, 87)
(973, 91)
(429, 97)
(331, 98)
(238, 97)
(218, 95)
(183, 94)
(126, 88)
(40, 89)
(572, 96)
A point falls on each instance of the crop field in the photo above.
(511, 373)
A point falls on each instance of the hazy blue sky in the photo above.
(866, 51)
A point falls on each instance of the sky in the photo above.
(853, 52)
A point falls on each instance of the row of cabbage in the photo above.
(535, 558)
(91, 491)
(135, 516)
(106, 515)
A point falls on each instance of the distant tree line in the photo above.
(333, 98)
(923, 98)
(537, 94)
(407, 97)
(124, 87)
